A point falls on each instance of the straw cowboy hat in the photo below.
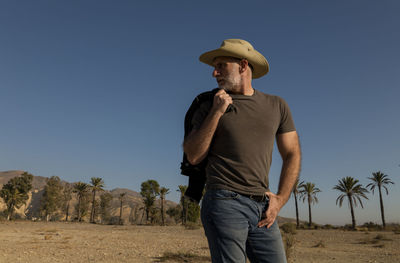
(241, 49)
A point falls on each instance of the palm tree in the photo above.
(182, 190)
(12, 198)
(309, 191)
(81, 189)
(121, 199)
(163, 192)
(15, 192)
(149, 190)
(349, 187)
(296, 190)
(67, 196)
(97, 185)
(380, 180)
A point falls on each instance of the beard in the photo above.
(230, 83)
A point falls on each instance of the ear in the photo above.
(243, 65)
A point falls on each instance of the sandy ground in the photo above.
(82, 242)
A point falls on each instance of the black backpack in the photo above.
(196, 173)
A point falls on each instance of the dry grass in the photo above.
(380, 246)
(367, 241)
(289, 242)
(320, 244)
(382, 237)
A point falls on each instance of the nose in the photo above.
(215, 73)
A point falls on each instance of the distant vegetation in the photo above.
(91, 203)
(80, 201)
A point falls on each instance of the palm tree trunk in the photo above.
(162, 211)
(92, 212)
(67, 212)
(11, 212)
(120, 214)
(382, 209)
(309, 211)
(141, 219)
(297, 211)
(353, 219)
(8, 215)
(79, 209)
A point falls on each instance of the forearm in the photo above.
(197, 143)
(290, 172)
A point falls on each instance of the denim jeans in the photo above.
(230, 224)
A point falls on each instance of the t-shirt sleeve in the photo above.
(286, 124)
(200, 114)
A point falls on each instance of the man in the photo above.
(238, 211)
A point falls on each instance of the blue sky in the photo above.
(100, 88)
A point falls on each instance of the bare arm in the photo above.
(197, 143)
(289, 148)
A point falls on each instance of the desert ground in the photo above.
(25, 241)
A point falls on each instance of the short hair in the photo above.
(238, 61)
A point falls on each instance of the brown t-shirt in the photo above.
(240, 154)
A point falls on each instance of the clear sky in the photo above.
(100, 88)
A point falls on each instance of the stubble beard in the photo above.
(231, 83)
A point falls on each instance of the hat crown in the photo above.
(241, 49)
(237, 43)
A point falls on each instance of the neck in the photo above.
(243, 89)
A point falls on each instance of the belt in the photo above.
(257, 198)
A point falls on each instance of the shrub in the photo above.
(315, 226)
(372, 226)
(289, 242)
(328, 226)
(348, 227)
(288, 228)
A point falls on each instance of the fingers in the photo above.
(268, 220)
(221, 91)
(271, 213)
(222, 101)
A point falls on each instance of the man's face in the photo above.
(226, 72)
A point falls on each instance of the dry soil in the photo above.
(32, 242)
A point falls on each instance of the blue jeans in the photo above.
(230, 224)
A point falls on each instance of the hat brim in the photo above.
(256, 60)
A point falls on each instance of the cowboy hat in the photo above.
(241, 49)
